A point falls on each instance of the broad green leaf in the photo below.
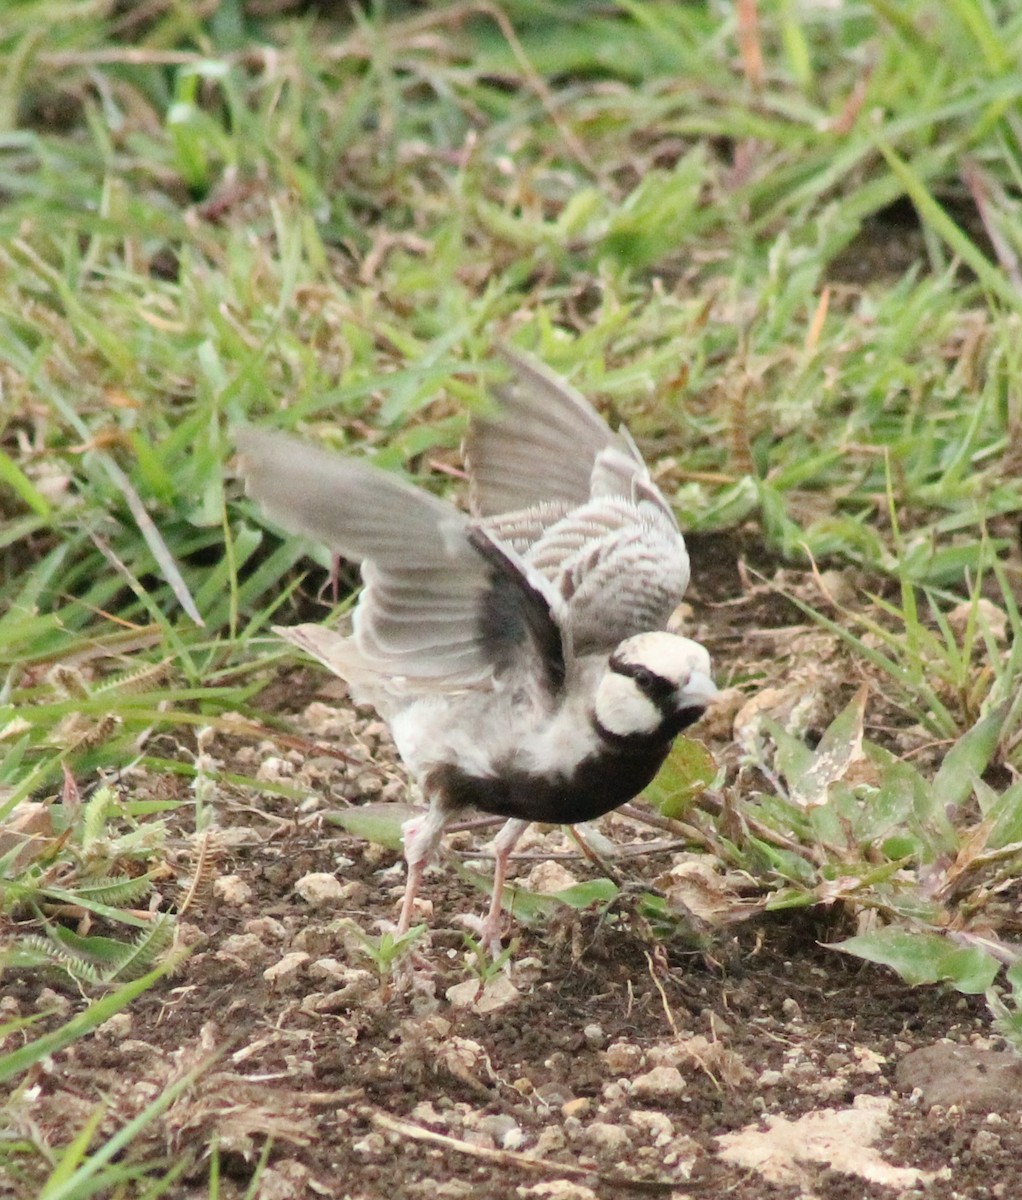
(688, 771)
(968, 758)
(794, 758)
(784, 862)
(886, 811)
(379, 823)
(1005, 817)
(901, 846)
(923, 957)
(839, 747)
(529, 906)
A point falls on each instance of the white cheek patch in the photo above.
(622, 709)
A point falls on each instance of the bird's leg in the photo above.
(421, 836)
(503, 844)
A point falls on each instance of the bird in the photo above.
(518, 651)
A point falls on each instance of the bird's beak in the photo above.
(700, 689)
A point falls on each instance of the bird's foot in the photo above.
(487, 936)
(491, 939)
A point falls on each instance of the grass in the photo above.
(787, 255)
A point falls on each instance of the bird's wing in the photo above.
(522, 529)
(444, 601)
(546, 449)
(621, 569)
(540, 445)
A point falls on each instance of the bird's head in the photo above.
(655, 685)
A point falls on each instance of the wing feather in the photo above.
(546, 446)
(539, 446)
(432, 579)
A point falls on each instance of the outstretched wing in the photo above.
(443, 601)
(546, 449)
(579, 504)
(540, 445)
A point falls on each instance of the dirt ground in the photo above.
(743, 1060)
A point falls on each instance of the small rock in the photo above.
(868, 1062)
(554, 1094)
(623, 1058)
(118, 1026)
(465, 1059)
(331, 969)
(287, 1179)
(984, 613)
(550, 1140)
(359, 989)
(985, 1142)
(963, 1076)
(353, 894)
(50, 1001)
(504, 1130)
(274, 768)
(837, 587)
(556, 1189)
(287, 969)
(266, 928)
(318, 888)
(548, 877)
(660, 1083)
(229, 837)
(656, 1125)
(425, 1113)
(445, 1189)
(246, 948)
(713, 1057)
(232, 889)
(495, 994)
(371, 1148)
(368, 784)
(326, 722)
(594, 1036)
(609, 1140)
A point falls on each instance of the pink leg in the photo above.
(415, 873)
(421, 837)
(503, 844)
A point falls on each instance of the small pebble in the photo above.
(287, 968)
(594, 1036)
(232, 889)
(623, 1058)
(660, 1083)
(319, 888)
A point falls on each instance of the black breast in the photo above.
(597, 785)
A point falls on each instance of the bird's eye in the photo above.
(643, 678)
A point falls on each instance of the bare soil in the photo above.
(744, 1060)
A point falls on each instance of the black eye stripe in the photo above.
(655, 686)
